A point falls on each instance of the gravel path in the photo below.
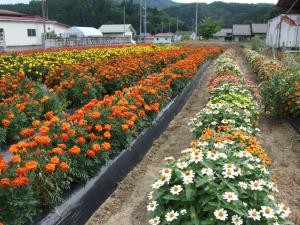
(127, 205)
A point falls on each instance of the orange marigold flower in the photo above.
(50, 167)
(44, 129)
(81, 140)
(91, 153)
(57, 151)
(31, 165)
(63, 146)
(64, 137)
(107, 134)
(63, 166)
(107, 127)
(19, 181)
(44, 140)
(55, 160)
(27, 132)
(6, 122)
(49, 114)
(16, 159)
(98, 127)
(75, 150)
(11, 116)
(147, 108)
(96, 147)
(21, 171)
(130, 123)
(122, 101)
(95, 115)
(36, 123)
(141, 113)
(65, 126)
(124, 127)
(106, 146)
(4, 182)
(71, 132)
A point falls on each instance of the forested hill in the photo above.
(97, 12)
(160, 4)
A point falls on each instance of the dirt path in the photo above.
(282, 144)
(127, 205)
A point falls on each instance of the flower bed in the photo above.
(280, 86)
(224, 176)
(25, 101)
(71, 150)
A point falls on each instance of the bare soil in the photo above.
(127, 205)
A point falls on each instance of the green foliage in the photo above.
(208, 27)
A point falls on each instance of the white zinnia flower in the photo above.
(254, 214)
(207, 171)
(176, 189)
(155, 221)
(182, 165)
(267, 212)
(213, 155)
(188, 176)
(183, 212)
(221, 214)
(150, 195)
(256, 185)
(285, 210)
(243, 185)
(170, 216)
(230, 196)
(237, 220)
(152, 206)
(166, 172)
(229, 174)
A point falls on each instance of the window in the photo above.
(31, 32)
(166, 39)
(157, 39)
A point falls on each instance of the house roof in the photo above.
(145, 34)
(241, 30)
(223, 32)
(286, 4)
(84, 31)
(259, 28)
(116, 28)
(169, 34)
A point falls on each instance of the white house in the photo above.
(179, 35)
(117, 30)
(82, 32)
(21, 30)
(164, 38)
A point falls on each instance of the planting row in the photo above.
(61, 151)
(224, 176)
(25, 101)
(280, 86)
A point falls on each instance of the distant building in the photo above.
(149, 37)
(164, 38)
(259, 30)
(18, 30)
(79, 32)
(117, 30)
(241, 32)
(225, 34)
(179, 35)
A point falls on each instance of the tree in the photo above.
(208, 27)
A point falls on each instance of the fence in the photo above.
(85, 41)
(2, 41)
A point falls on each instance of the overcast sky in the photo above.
(183, 1)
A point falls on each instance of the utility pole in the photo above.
(124, 17)
(162, 26)
(177, 25)
(196, 24)
(145, 20)
(141, 18)
(169, 27)
(44, 25)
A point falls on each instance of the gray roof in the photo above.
(184, 32)
(259, 28)
(116, 28)
(241, 30)
(224, 32)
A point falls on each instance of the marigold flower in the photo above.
(19, 181)
(6, 122)
(107, 134)
(98, 127)
(44, 140)
(63, 166)
(50, 167)
(91, 153)
(44, 129)
(65, 126)
(124, 127)
(4, 182)
(81, 140)
(49, 114)
(55, 160)
(21, 171)
(57, 151)
(11, 116)
(107, 127)
(96, 147)
(64, 137)
(36, 123)
(96, 115)
(75, 150)
(16, 159)
(27, 132)
(31, 165)
(106, 146)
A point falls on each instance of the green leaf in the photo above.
(194, 216)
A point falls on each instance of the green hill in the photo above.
(160, 4)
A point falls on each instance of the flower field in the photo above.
(116, 92)
(224, 176)
(280, 84)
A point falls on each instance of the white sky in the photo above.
(182, 1)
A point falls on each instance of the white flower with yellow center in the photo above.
(150, 195)
(243, 185)
(256, 185)
(230, 196)
(223, 155)
(169, 159)
(253, 214)
(202, 143)
(213, 155)
(196, 156)
(267, 212)
(182, 165)
(170, 216)
(152, 206)
(229, 166)
(166, 172)
(219, 145)
(188, 176)
(229, 174)
(176, 189)
(155, 221)
(237, 220)
(272, 187)
(207, 171)
(284, 210)
(221, 214)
